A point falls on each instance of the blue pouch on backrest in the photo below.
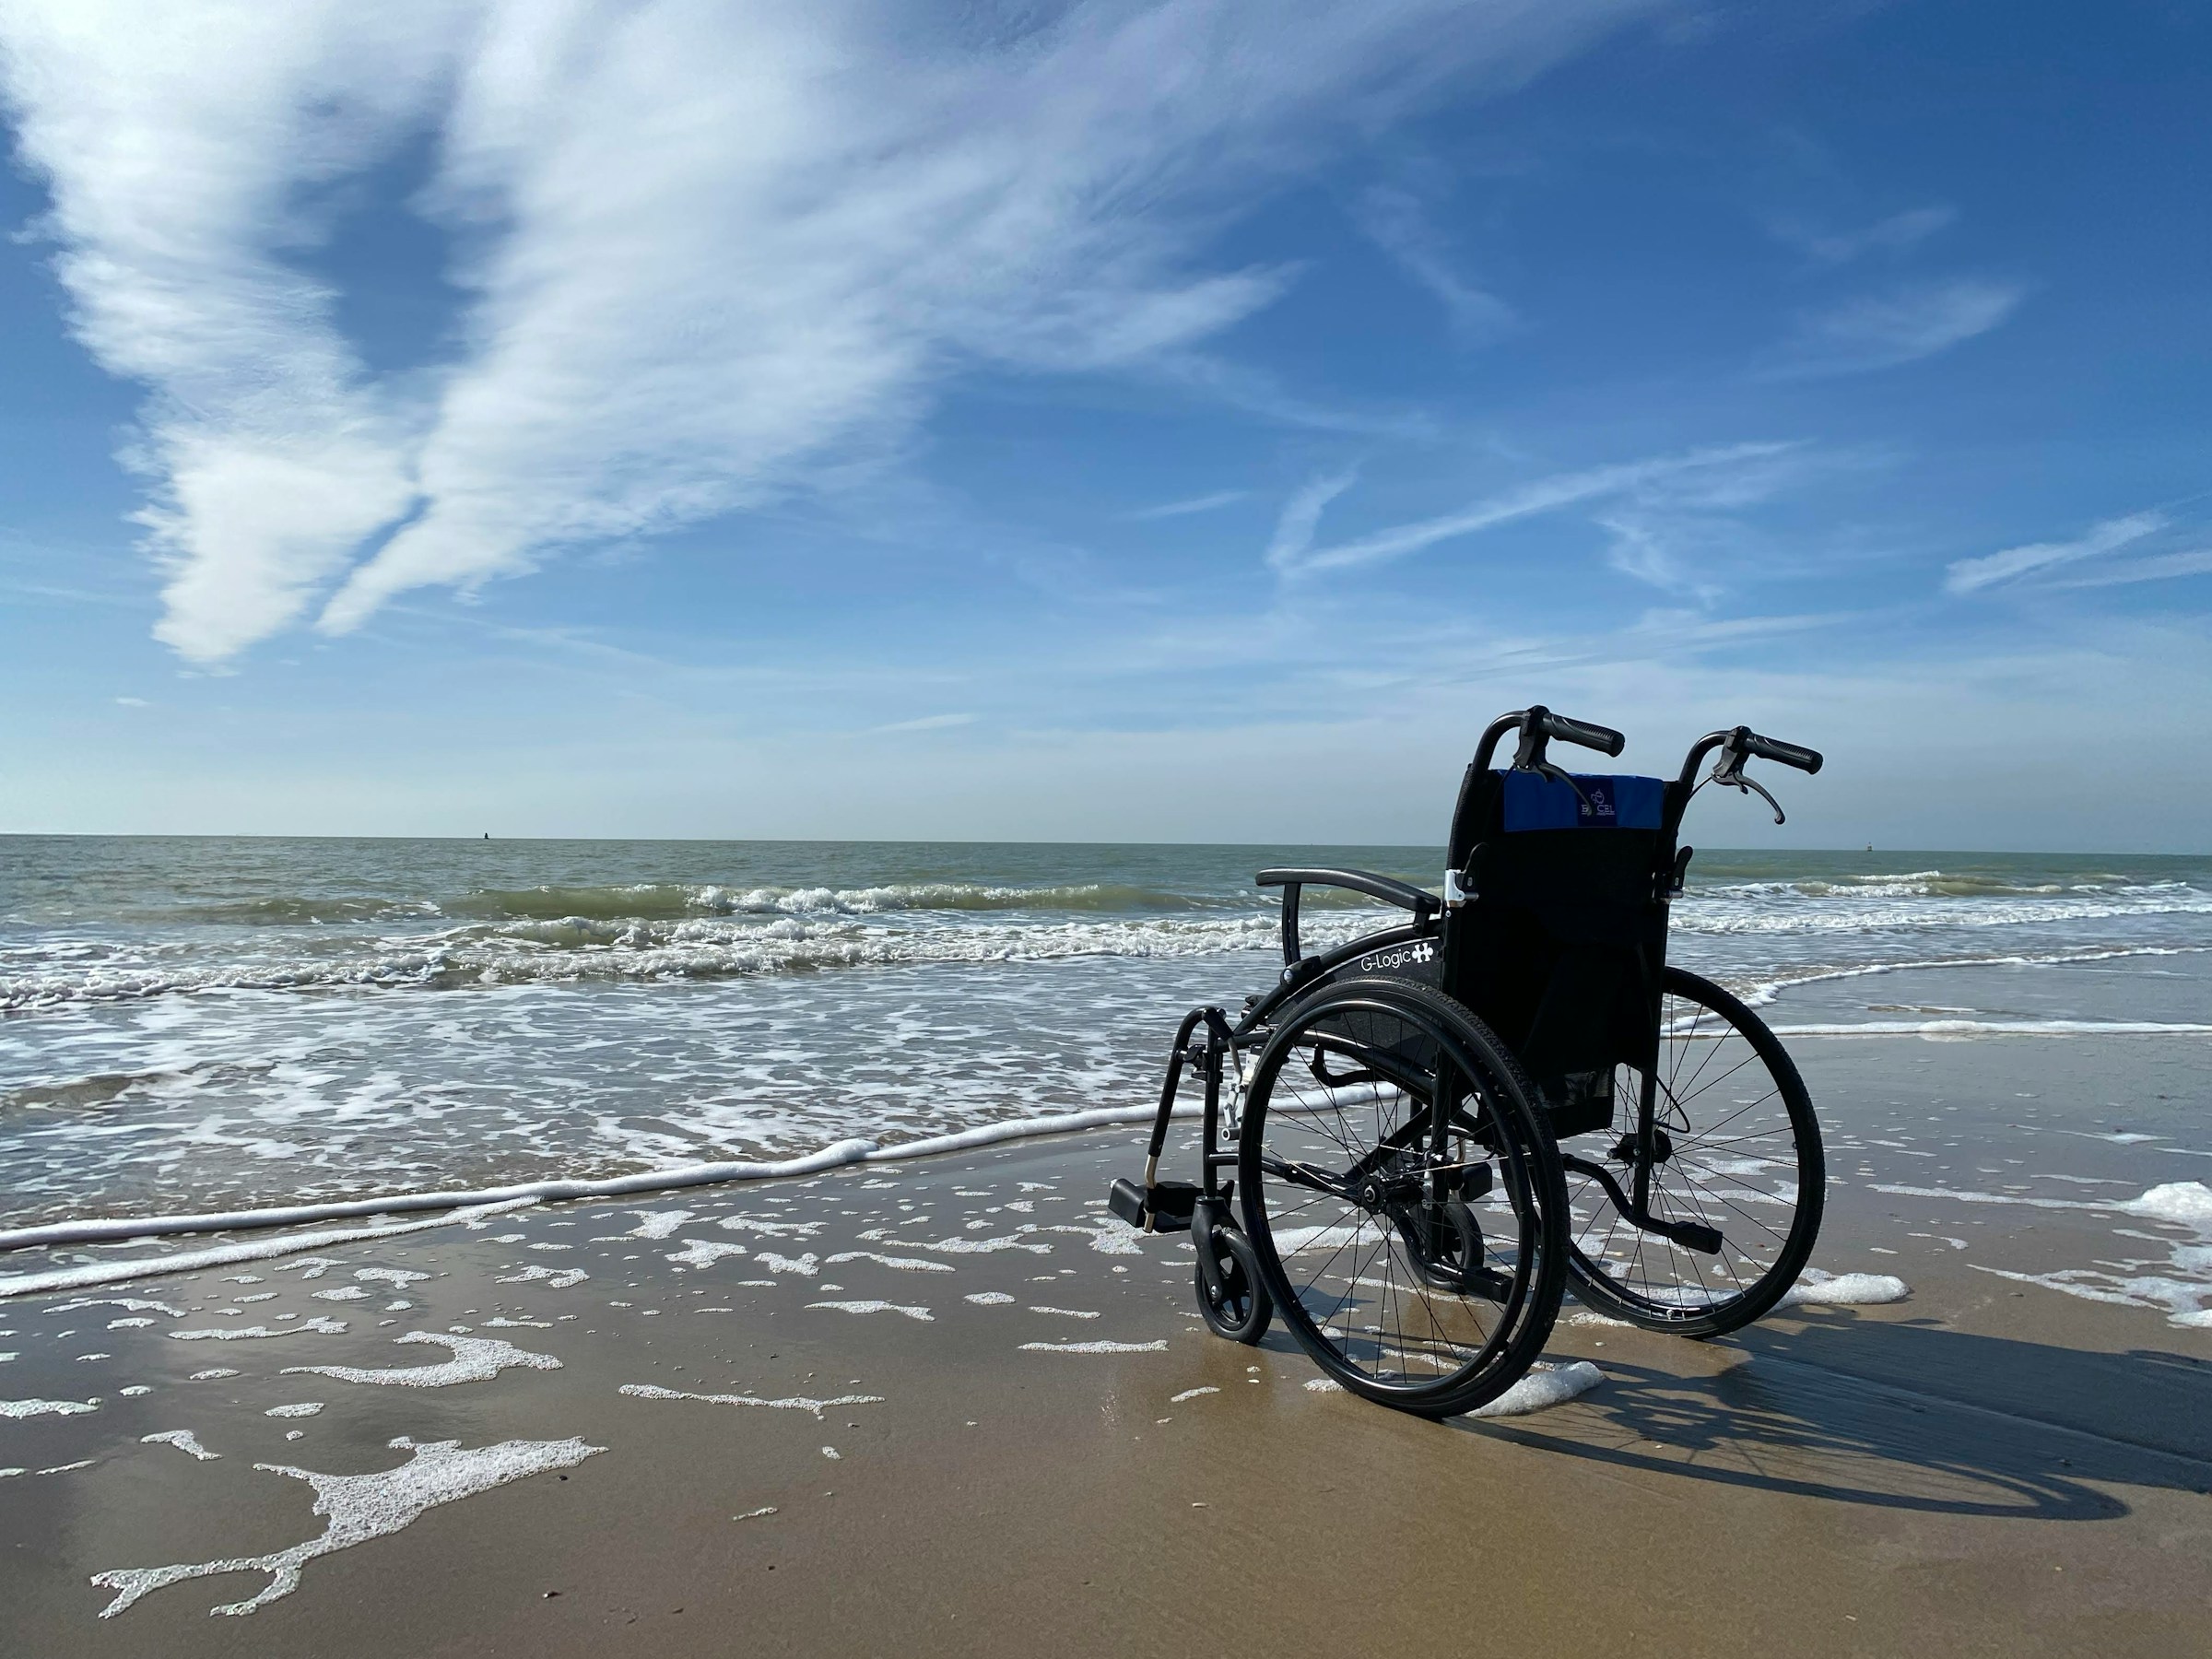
(1534, 802)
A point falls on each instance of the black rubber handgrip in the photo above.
(1604, 739)
(1789, 754)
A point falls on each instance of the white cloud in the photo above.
(715, 250)
(2166, 567)
(1393, 219)
(182, 145)
(1881, 331)
(1653, 553)
(1300, 518)
(1205, 503)
(1897, 234)
(1969, 575)
(928, 722)
(1724, 472)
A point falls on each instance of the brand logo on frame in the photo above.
(1402, 956)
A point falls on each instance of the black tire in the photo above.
(1231, 1299)
(1345, 1191)
(1742, 1154)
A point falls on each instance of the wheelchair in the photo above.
(1412, 1145)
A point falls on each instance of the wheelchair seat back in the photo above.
(1560, 941)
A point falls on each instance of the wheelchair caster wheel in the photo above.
(1231, 1297)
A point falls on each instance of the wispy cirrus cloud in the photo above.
(1732, 472)
(1205, 503)
(184, 150)
(1971, 575)
(1395, 220)
(1899, 233)
(1653, 553)
(1902, 326)
(1300, 518)
(928, 722)
(2166, 567)
(713, 251)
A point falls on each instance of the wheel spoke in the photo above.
(1380, 1275)
(1724, 1157)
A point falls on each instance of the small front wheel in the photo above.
(1231, 1299)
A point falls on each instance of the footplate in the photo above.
(1691, 1235)
(1163, 1208)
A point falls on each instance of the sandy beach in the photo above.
(950, 1405)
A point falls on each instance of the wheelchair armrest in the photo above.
(1388, 888)
(1391, 890)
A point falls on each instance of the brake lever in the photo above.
(1728, 770)
(1530, 757)
(1761, 790)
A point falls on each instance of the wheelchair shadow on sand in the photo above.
(1904, 1415)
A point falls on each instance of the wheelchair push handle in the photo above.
(1738, 746)
(1743, 744)
(1604, 739)
(1773, 748)
(1537, 726)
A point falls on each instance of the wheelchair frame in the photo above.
(1430, 944)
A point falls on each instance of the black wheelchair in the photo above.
(1412, 1143)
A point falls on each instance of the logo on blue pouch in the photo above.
(1534, 802)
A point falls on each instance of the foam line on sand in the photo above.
(1937, 1028)
(834, 1155)
(224, 1256)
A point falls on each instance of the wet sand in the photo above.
(1990, 1467)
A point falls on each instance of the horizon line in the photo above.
(481, 837)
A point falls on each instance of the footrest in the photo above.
(1691, 1235)
(1164, 1209)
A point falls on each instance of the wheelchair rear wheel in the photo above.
(1401, 1198)
(1735, 1148)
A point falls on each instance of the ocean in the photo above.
(216, 1023)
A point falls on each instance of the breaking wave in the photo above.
(208, 1025)
(649, 900)
(576, 948)
(1924, 900)
(435, 916)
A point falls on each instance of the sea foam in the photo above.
(359, 1508)
(650, 1391)
(1818, 1289)
(874, 1307)
(31, 1409)
(476, 1359)
(1544, 1386)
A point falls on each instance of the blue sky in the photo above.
(1190, 420)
